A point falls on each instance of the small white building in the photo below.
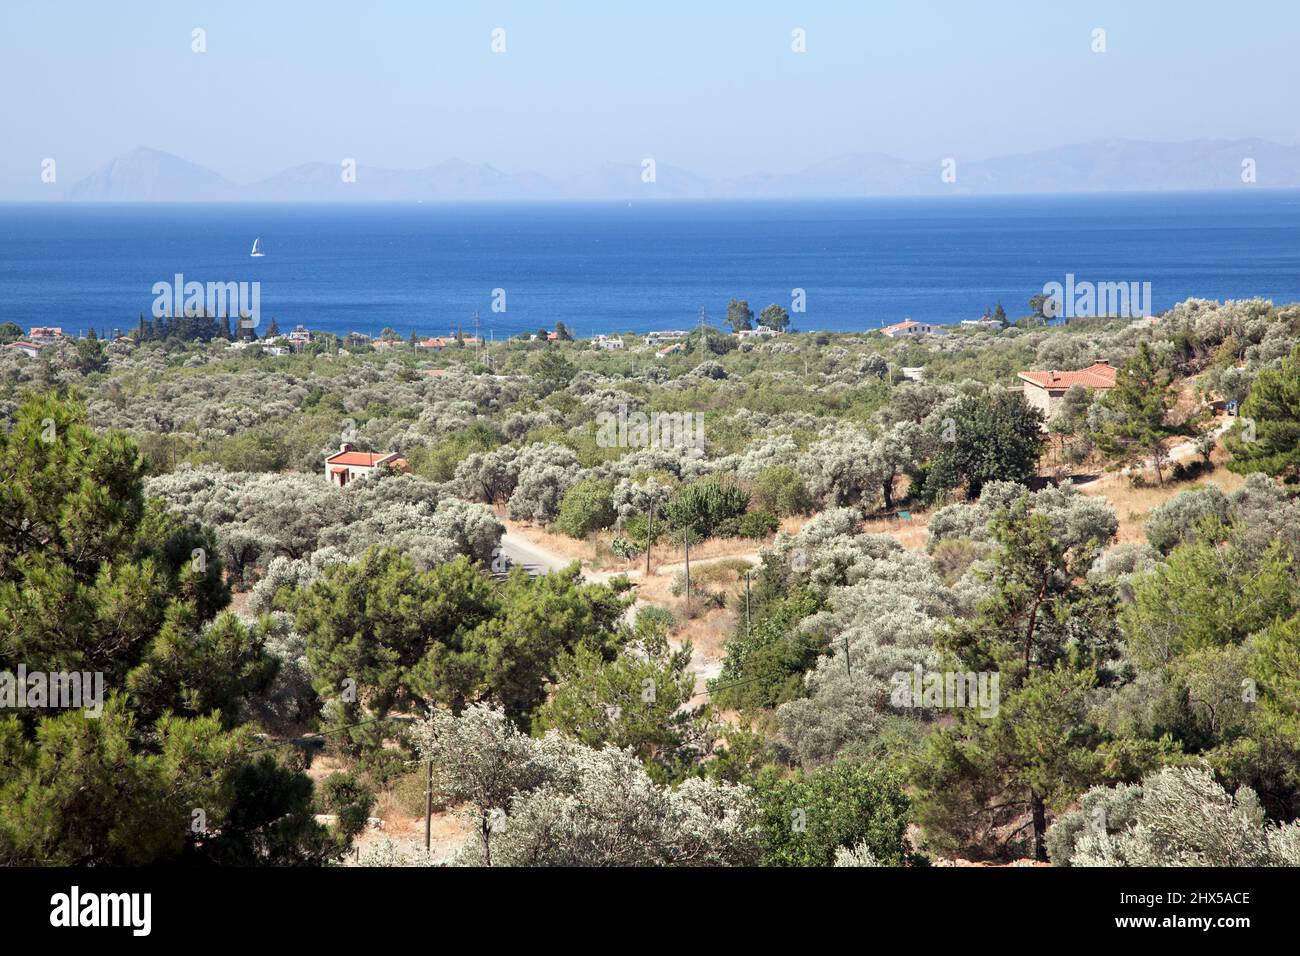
(762, 332)
(609, 341)
(665, 335)
(908, 327)
(30, 349)
(347, 465)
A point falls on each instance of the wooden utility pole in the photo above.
(747, 573)
(428, 804)
(686, 542)
(649, 536)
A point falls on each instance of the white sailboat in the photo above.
(257, 252)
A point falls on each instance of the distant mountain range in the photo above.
(148, 175)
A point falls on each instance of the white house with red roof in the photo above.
(30, 349)
(45, 335)
(908, 327)
(1044, 390)
(347, 465)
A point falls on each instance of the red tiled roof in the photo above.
(365, 459)
(1097, 375)
(898, 327)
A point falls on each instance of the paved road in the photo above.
(519, 550)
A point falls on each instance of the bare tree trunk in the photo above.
(1040, 825)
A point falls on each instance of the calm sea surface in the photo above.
(612, 267)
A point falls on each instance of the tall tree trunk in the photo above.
(1033, 621)
(485, 838)
(1040, 825)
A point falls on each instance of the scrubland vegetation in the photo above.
(165, 519)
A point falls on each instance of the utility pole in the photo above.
(649, 536)
(476, 338)
(686, 542)
(847, 666)
(428, 804)
(747, 574)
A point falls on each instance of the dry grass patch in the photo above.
(1133, 505)
(911, 534)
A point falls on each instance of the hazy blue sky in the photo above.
(711, 86)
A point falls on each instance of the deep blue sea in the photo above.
(614, 266)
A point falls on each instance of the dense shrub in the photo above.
(702, 506)
(1179, 816)
(780, 490)
(586, 508)
(343, 795)
(809, 817)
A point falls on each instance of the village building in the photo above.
(761, 332)
(347, 465)
(908, 327)
(41, 335)
(300, 336)
(654, 338)
(609, 341)
(1044, 390)
(30, 349)
(988, 322)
